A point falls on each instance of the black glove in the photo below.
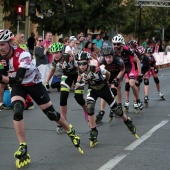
(140, 77)
(116, 82)
(156, 70)
(47, 86)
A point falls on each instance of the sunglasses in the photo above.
(82, 63)
(40, 40)
(23, 37)
(118, 44)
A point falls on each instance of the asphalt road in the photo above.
(118, 149)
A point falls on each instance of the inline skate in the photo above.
(126, 106)
(111, 115)
(135, 105)
(99, 117)
(93, 138)
(60, 129)
(22, 157)
(146, 100)
(75, 139)
(161, 96)
(131, 127)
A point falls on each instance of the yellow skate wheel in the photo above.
(28, 158)
(80, 150)
(111, 119)
(93, 143)
(136, 111)
(137, 137)
(19, 163)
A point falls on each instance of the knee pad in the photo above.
(52, 114)
(146, 82)
(156, 80)
(90, 107)
(114, 91)
(18, 108)
(63, 98)
(118, 111)
(127, 87)
(79, 98)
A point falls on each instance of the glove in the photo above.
(47, 86)
(156, 70)
(116, 82)
(140, 77)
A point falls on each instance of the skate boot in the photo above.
(135, 105)
(93, 138)
(75, 139)
(99, 117)
(126, 106)
(146, 100)
(22, 157)
(111, 116)
(140, 105)
(131, 127)
(60, 129)
(161, 95)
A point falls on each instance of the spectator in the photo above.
(145, 43)
(81, 39)
(167, 48)
(40, 52)
(65, 42)
(106, 41)
(88, 47)
(70, 49)
(156, 47)
(98, 41)
(19, 41)
(87, 39)
(31, 43)
(3, 71)
(47, 43)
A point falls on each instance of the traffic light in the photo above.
(31, 10)
(20, 9)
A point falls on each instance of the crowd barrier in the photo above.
(162, 59)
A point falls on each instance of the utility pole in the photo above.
(26, 20)
(140, 14)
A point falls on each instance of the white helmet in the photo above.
(118, 39)
(6, 35)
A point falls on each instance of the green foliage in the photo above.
(71, 16)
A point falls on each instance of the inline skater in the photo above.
(69, 66)
(24, 78)
(129, 58)
(115, 65)
(98, 87)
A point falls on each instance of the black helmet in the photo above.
(133, 43)
(149, 50)
(82, 55)
(107, 50)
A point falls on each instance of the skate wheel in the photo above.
(136, 111)
(111, 119)
(126, 110)
(80, 150)
(137, 137)
(146, 105)
(93, 143)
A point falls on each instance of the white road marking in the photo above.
(113, 162)
(145, 136)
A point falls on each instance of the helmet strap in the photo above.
(9, 51)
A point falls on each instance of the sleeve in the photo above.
(25, 60)
(103, 71)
